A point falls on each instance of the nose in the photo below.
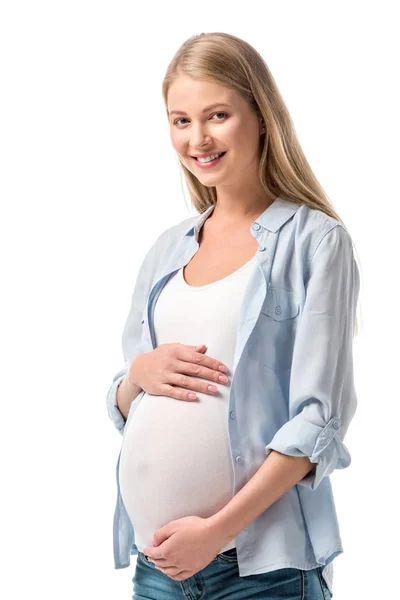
(199, 136)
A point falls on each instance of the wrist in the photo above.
(217, 530)
(126, 394)
(131, 377)
(132, 388)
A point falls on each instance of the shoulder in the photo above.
(165, 241)
(174, 233)
(178, 230)
(311, 226)
(324, 244)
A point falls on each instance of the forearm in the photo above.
(278, 474)
(126, 394)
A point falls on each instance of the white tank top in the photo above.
(175, 457)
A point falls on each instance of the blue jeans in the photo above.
(221, 579)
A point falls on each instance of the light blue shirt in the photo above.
(292, 384)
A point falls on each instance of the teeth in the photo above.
(209, 158)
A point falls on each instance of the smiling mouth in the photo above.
(221, 154)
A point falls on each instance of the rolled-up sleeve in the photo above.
(112, 406)
(322, 396)
(131, 337)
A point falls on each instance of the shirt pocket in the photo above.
(272, 340)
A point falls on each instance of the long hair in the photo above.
(283, 168)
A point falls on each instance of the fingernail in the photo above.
(223, 368)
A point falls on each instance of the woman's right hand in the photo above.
(170, 370)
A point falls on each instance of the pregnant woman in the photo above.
(238, 387)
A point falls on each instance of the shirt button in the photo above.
(256, 226)
(278, 310)
(238, 459)
(335, 425)
(261, 248)
(233, 415)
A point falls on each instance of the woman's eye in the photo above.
(220, 113)
(184, 119)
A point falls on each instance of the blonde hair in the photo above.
(283, 168)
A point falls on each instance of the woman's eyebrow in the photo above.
(182, 112)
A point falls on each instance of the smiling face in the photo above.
(229, 126)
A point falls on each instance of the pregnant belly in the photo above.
(175, 462)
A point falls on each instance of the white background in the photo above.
(89, 179)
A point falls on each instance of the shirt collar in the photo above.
(272, 218)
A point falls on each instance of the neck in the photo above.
(231, 211)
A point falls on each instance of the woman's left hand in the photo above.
(185, 546)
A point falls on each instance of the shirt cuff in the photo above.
(322, 445)
(113, 411)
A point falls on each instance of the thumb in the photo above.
(160, 536)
